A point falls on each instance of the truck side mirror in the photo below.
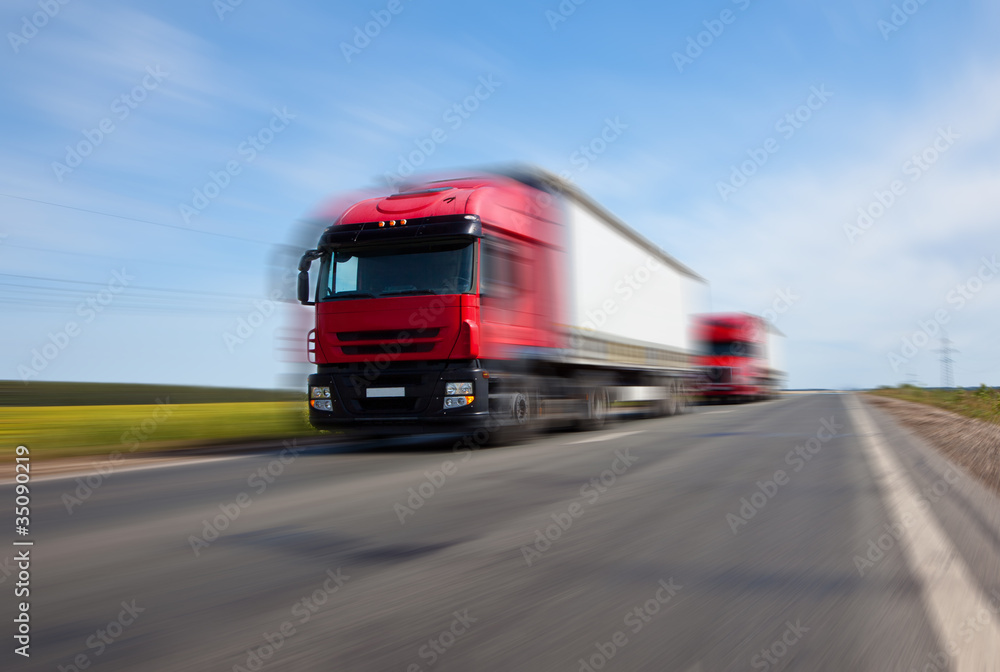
(303, 288)
(303, 285)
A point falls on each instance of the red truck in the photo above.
(740, 356)
(491, 301)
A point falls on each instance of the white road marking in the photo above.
(605, 437)
(950, 593)
(116, 469)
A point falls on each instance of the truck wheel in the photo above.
(517, 421)
(684, 399)
(672, 404)
(520, 409)
(598, 404)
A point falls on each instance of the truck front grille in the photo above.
(719, 374)
(386, 348)
(354, 380)
(387, 335)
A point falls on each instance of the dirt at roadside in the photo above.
(972, 444)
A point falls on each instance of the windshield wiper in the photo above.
(352, 295)
(409, 292)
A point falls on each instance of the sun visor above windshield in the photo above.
(397, 230)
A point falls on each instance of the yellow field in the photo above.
(51, 431)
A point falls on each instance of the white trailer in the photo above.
(630, 305)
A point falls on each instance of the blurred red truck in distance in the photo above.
(498, 300)
(741, 356)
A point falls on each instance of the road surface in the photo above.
(765, 536)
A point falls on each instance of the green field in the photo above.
(62, 431)
(17, 393)
(982, 404)
(88, 419)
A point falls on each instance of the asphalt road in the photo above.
(672, 563)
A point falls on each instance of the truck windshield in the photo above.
(729, 348)
(444, 267)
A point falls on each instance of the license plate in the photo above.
(378, 392)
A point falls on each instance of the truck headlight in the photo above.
(452, 389)
(320, 393)
(458, 402)
(322, 404)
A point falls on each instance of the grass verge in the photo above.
(981, 404)
(66, 431)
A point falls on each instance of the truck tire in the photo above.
(684, 401)
(673, 400)
(520, 409)
(598, 404)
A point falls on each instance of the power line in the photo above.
(93, 255)
(142, 221)
(947, 373)
(105, 284)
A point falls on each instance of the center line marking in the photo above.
(606, 437)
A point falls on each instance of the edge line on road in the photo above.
(134, 467)
(948, 589)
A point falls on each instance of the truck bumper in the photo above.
(401, 398)
(729, 391)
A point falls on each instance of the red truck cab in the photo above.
(429, 301)
(733, 356)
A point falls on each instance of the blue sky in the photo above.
(180, 89)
